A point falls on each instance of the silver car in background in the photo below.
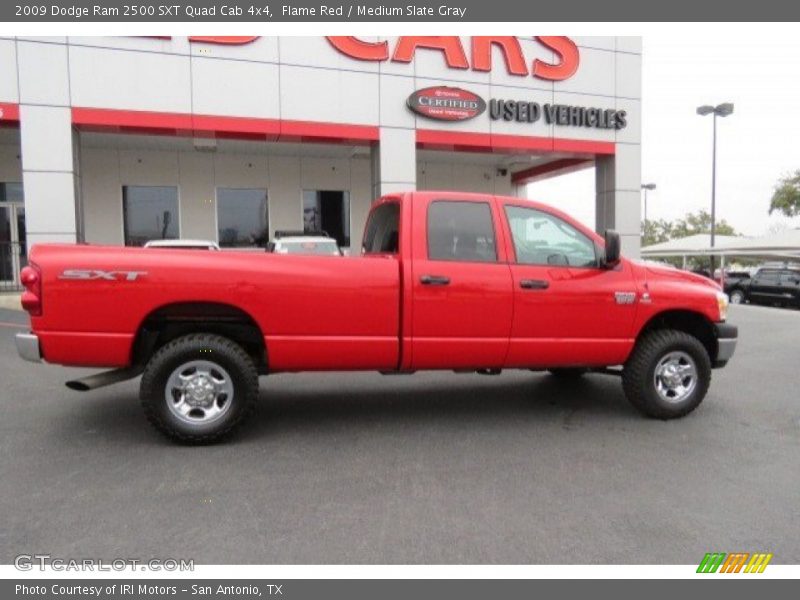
(316, 243)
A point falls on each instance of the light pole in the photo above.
(646, 187)
(720, 110)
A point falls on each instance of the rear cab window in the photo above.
(462, 231)
(382, 233)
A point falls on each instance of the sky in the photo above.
(759, 143)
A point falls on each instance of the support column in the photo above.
(394, 162)
(618, 196)
(49, 161)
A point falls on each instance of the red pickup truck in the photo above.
(445, 280)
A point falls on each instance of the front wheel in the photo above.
(737, 297)
(667, 375)
(197, 388)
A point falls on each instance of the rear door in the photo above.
(461, 284)
(790, 287)
(765, 286)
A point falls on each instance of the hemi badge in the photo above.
(625, 297)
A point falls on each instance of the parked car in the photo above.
(731, 279)
(299, 242)
(183, 244)
(702, 272)
(445, 280)
(777, 286)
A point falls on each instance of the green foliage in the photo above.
(699, 222)
(656, 232)
(786, 198)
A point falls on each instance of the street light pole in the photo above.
(713, 189)
(720, 110)
(646, 187)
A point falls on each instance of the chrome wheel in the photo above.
(675, 377)
(737, 298)
(199, 392)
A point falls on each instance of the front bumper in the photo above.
(28, 347)
(727, 336)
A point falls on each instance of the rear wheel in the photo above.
(737, 297)
(668, 374)
(198, 388)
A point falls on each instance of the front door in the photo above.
(462, 301)
(765, 287)
(568, 310)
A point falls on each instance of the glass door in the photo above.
(6, 246)
(22, 246)
(13, 247)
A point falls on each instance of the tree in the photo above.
(656, 232)
(786, 198)
(699, 222)
(659, 231)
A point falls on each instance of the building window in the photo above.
(328, 211)
(242, 217)
(11, 192)
(149, 213)
(13, 249)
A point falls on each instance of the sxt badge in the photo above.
(92, 274)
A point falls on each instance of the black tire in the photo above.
(738, 297)
(639, 379)
(232, 401)
(568, 373)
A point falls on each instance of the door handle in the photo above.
(534, 284)
(434, 280)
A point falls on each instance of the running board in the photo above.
(98, 380)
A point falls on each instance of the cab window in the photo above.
(790, 278)
(382, 234)
(767, 276)
(461, 231)
(543, 239)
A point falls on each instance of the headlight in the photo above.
(722, 304)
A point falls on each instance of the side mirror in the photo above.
(612, 248)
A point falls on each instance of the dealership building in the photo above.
(119, 140)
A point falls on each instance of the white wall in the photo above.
(285, 78)
(462, 177)
(197, 175)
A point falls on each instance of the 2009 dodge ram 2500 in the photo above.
(445, 280)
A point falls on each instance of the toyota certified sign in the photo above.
(446, 103)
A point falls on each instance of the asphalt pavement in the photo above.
(431, 468)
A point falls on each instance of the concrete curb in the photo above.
(10, 301)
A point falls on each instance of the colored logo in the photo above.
(446, 103)
(737, 562)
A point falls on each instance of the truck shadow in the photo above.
(462, 399)
(293, 404)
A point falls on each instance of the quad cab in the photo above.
(444, 281)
